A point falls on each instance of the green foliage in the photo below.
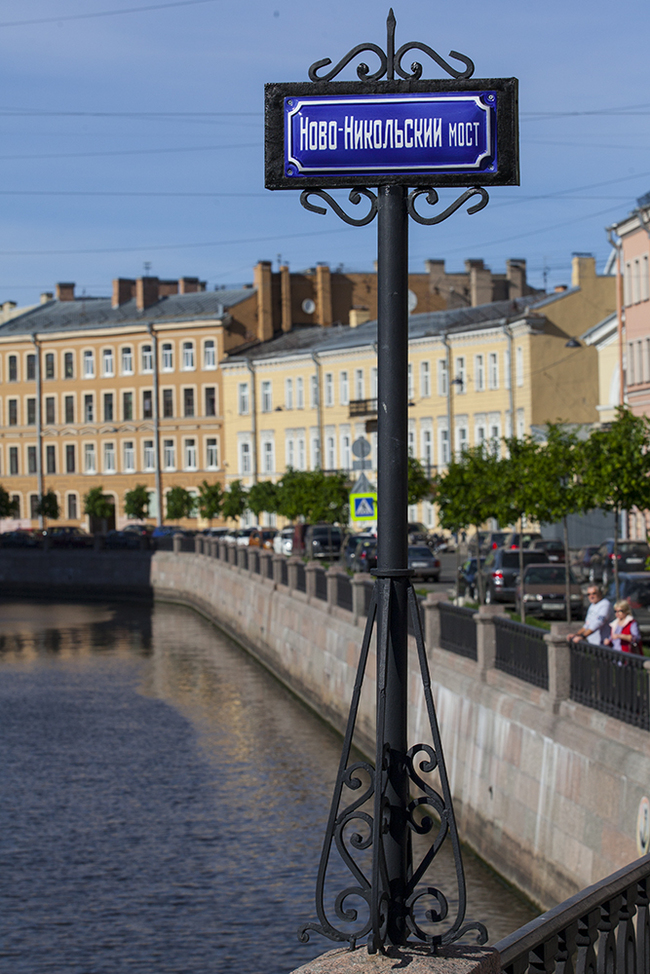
(517, 474)
(314, 496)
(470, 490)
(7, 505)
(420, 488)
(618, 463)
(263, 496)
(136, 502)
(97, 505)
(235, 501)
(210, 500)
(48, 506)
(180, 503)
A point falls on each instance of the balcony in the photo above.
(362, 407)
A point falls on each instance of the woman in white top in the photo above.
(626, 636)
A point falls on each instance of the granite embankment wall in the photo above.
(545, 790)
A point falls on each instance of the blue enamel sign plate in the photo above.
(366, 135)
(418, 133)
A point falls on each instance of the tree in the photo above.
(48, 506)
(617, 468)
(136, 502)
(518, 472)
(235, 501)
(8, 506)
(263, 496)
(420, 488)
(314, 496)
(97, 505)
(210, 500)
(180, 503)
(469, 492)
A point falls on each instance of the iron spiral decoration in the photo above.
(354, 197)
(354, 830)
(432, 199)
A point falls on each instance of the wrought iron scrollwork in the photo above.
(432, 199)
(354, 197)
(390, 61)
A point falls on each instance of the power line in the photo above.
(105, 13)
(76, 192)
(38, 112)
(132, 152)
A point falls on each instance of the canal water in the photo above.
(162, 800)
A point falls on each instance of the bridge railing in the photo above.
(605, 928)
(610, 681)
(521, 651)
(457, 630)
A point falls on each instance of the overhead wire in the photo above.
(104, 13)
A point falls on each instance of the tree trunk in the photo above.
(567, 576)
(616, 532)
(479, 579)
(522, 604)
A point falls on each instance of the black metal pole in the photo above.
(392, 561)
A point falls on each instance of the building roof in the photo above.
(91, 313)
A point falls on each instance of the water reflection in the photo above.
(164, 800)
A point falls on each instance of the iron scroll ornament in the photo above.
(390, 61)
(431, 195)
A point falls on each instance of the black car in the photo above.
(632, 557)
(323, 541)
(500, 570)
(365, 557)
(529, 538)
(423, 563)
(553, 547)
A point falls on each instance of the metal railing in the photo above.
(610, 681)
(367, 596)
(284, 573)
(301, 577)
(363, 407)
(320, 586)
(344, 592)
(605, 928)
(457, 630)
(521, 651)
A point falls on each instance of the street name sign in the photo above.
(421, 133)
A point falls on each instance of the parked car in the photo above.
(163, 531)
(635, 587)
(553, 547)
(365, 557)
(350, 545)
(215, 532)
(467, 578)
(122, 540)
(529, 537)
(262, 537)
(423, 563)
(141, 530)
(283, 541)
(582, 562)
(544, 592)
(632, 557)
(417, 532)
(487, 541)
(21, 538)
(69, 536)
(500, 570)
(323, 541)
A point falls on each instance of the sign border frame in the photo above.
(507, 126)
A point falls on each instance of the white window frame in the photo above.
(188, 357)
(359, 384)
(479, 373)
(519, 365)
(346, 451)
(344, 388)
(300, 393)
(108, 362)
(245, 458)
(169, 454)
(410, 381)
(329, 389)
(147, 358)
(167, 357)
(288, 393)
(209, 354)
(243, 399)
(212, 453)
(266, 395)
(190, 454)
(89, 364)
(268, 456)
(110, 465)
(493, 370)
(148, 455)
(90, 458)
(443, 378)
(425, 380)
(128, 456)
(126, 360)
(330, 451)
(313, 391)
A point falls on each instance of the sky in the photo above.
(132, 135)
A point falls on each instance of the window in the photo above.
(31, 412)
(169, 455)
(127, 360)
(33, 506)
(147, 404)
(168, 357)
(13, 368)
(149, 456)
(89, 365)
(521, 424)
(288, 393)
(630, 364)
(50, 415)
(31, 368)
(72, 507)
(188, 355)
(190, 454)
(506, 368)
(636, 295)
(645, 281)
(411, 442)
(495, 438)
(68, 365)
(210, 401)
(345, 451)
(267, 397)
(68, 406)
(314, 396)
(427, 449)
(461, 385)
(442, 377)
(188, 402)
(13, 460)
(268, 464)
(244, 458)
(70, 464)
(88, 408)
(129, 456)
(302, 454)
(329, 389)
(315, 451)
(108, 407)
(373, 382)
(212, 457)
(168, 403)
(50, 459)
(108, 364)
(444, 445)
(462, 439)
(480, 429)
(127, 405)
(242, 398)
(479, 373)
(410, 382)
(344, 388)
(330, 452)
(358, 384)
(519, 365)
(147, 358)
(31, 459)
(290, 452)
(493, 370)
(425, 379)
(49, 365)
(209, 355)
(89, 458)
(300, 394)
(13, 412)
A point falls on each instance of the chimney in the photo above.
(146, 292)
(516, 276)
(167, 288)
(263, 284)
(65, 292)
(190, 285)
(480, 282)
(123, 290)
(285, 298)
(358, 316)
(582, 267)
(46, 296)
(323, 295)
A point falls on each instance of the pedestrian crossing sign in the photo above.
(363, 507)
